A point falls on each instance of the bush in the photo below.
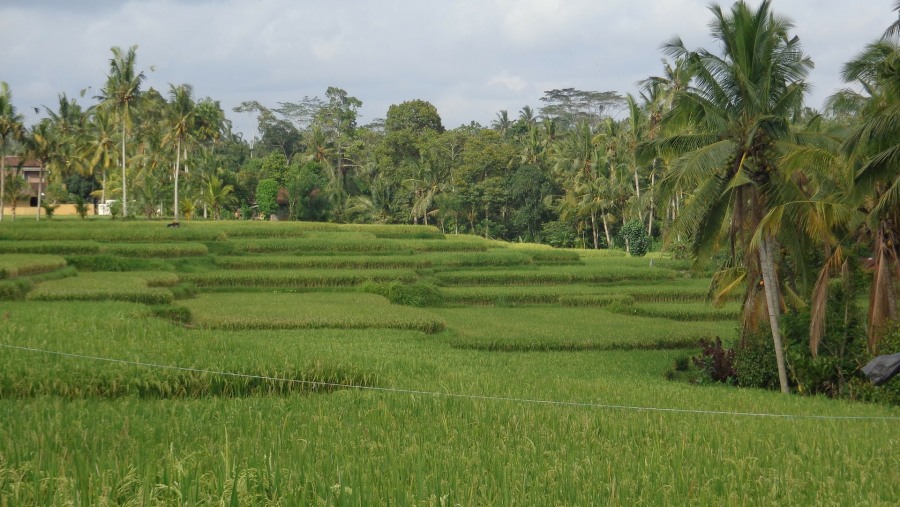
(559, 234)
(49, 208)
(635, 237)
(715, 362)
(754, 362)
(412, 294)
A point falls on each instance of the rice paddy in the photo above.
(249, 363)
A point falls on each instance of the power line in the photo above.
(481, 397)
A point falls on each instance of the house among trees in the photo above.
(30, 171)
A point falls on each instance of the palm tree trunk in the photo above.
(2, 183)
(650, 218)
(594, 230)
(606, 231)
(177, 163)
(124, 189)
(40, 190)
(773, 305)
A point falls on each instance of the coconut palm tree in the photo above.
(731, 121)
(121, 94)
(181, 115)
(876, 139)
(10, 131)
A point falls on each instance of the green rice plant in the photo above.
(126, 333)
(130, 231)
(201, 438)
(336, 243)
(115, 263)
(490, 258)
(601, 300)
(556, 275)
(307, 310)
(298, 278)
(150, 250)
(139, 287)
(554, 256)
(16, 265)
(539, 328)
(68, 247)
(322, 261)
(683, 311)
(503, 295)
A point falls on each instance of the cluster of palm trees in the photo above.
(139, 131)
(777, 188)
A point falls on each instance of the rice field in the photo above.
(249, 363)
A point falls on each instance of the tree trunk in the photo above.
(2, 183)
(124, 190)
(606, 231)
(594, 230)
(773, 305)
(637, 193)
(40, 190)
(650, 218)
(177, 163)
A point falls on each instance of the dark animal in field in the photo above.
(173, 224)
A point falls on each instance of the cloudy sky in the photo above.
(470, 58)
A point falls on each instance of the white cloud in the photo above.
(469, 57)
(514, 83)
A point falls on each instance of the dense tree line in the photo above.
(717, 158)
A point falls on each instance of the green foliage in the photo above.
(408, 294)
(49, 208)
(81, 207)
(634, 236)
(841, 349)
(559, 233)
(754, 362)
(267, 197)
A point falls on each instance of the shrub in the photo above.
(754, 362)
(635, 237)
(408, 294)
(715, 362)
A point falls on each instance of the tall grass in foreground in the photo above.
(362, 448)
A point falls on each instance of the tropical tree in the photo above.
(41, 144)
(217, 195)
(121, 94)
(181, 113)
(731, 121)
(10, 131)
(876, 140)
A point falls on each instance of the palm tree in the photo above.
(876, 139)
(100, 149)
(181, 118)
(41, 144)
(121, 93)
(217, 195)
(733, 117)
(10, 131)
(502, 122)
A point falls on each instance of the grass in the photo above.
(447, 424)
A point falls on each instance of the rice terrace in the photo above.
(686, 294)
(308, 363)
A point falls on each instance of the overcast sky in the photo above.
(470, 58)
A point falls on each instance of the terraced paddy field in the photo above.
(316, 364)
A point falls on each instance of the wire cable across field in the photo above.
(480, 397)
